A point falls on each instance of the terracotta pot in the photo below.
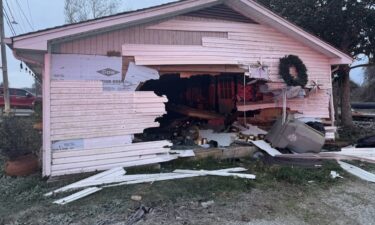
(38, 126)
(22, 166)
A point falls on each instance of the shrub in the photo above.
(17, 137)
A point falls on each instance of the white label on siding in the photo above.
(92, 143)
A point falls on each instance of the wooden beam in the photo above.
(198, 68)
(47, 154)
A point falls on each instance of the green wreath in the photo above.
(286, 63)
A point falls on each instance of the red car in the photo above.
(19, 98)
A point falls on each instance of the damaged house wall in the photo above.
(84, 111)
(91, 71)
(93, 118)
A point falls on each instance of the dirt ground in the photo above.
(279, 195)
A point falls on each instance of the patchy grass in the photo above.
(22, 198)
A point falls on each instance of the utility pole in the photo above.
(4, 62)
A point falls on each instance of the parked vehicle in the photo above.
(19, 99)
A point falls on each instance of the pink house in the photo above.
(96, 76)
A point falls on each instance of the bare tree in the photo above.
(81, 10)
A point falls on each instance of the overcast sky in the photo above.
(49, 13)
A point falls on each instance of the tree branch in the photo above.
(363, 65)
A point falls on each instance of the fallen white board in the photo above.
(358, 172)
(215, 173)
(266, 147)
(173, 176)
(115, 172)
(77, 195)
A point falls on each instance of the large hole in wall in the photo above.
(201, 102)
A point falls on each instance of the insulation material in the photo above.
(139, 74)
(88, 67)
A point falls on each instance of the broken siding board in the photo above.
(99, 118)
(109, 166)
(98, 162)
(215, 173)
(101, 123)
(98, 134)
(105, 107)
(156, 112)
(104, 156)
(172, 176)
(358, 172)
(110, 127)
(113, 149)
(77, 195)
(91, 143)
(115, 172)
(114, 100)
(126, 94)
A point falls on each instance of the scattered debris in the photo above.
(112, 173)
(77, 195)
(223, 139)
(266, 147)
(358, 172)
(335, 175)
(138, 215)
(249, 129)
(183, 153)
(136, 198)
(207, 204)
(192, 112)
(114, 177)
(215, 173)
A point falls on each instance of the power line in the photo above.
(10, 11)
(21, 27)
(31, 17)
(9, 22)
(23, 13)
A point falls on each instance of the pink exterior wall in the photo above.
(100, 44)
(186, 40)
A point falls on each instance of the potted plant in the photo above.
(18, 143)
